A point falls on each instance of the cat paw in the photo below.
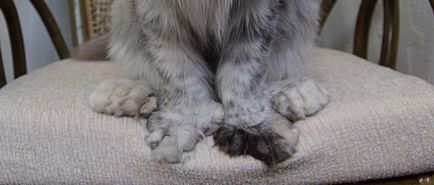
(300, 100)
(123, 97)
(271, 142)
(176, 132)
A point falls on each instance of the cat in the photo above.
(232, 69)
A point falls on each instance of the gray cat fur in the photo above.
(244, 54)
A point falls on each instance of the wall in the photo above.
(38, 47)
(416, 51)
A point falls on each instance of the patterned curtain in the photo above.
(96, 17)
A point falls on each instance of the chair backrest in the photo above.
(16, 35)
(2, 73)
(391, 28)
(96, 17)
(390, 42)
(98, 11)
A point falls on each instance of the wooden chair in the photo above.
(93, 17)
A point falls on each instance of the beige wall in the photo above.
(416, 52)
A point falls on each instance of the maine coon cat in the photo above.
(227, 68)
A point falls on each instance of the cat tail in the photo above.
(93, 50)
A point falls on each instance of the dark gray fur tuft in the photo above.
(264, 146)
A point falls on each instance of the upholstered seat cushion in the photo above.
(380, 124)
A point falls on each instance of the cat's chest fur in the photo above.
(206, 18)
(203, 18)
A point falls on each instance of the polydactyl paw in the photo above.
(123, 97)
(300, 100)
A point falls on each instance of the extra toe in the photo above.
(298, 101)
(122, 97)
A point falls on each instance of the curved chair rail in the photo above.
(52, 28)
(432, 4)
(2, 74)
(16, 35)
(327, 7)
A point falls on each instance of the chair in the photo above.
(48, 135)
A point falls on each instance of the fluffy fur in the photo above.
(197, 55)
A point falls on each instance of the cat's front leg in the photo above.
(187, 108)
(252, 126)
(182, 110)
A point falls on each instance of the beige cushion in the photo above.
(380, 124)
